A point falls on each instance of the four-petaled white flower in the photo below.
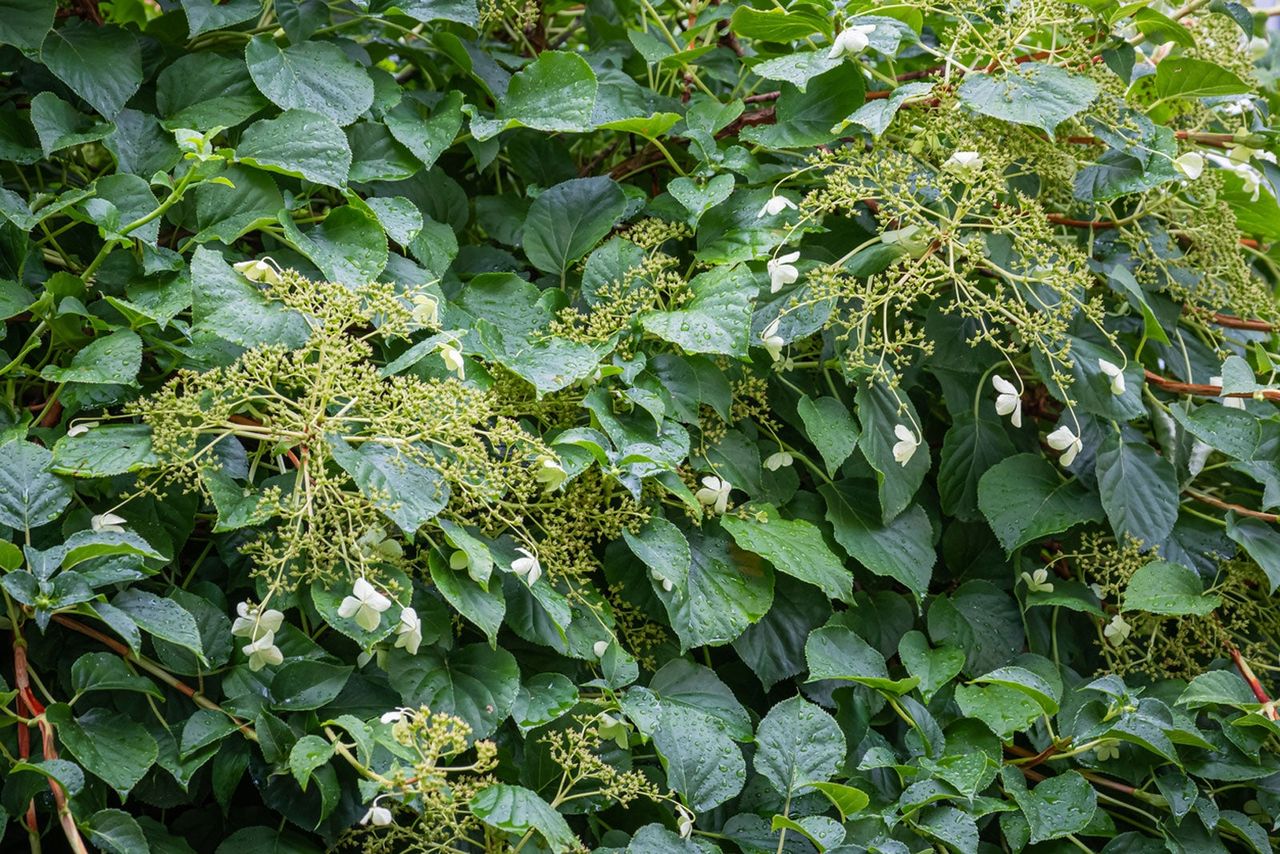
(81, 428)
(778, 460)
(426, 311)
(1117, 631)
(107, 523)
(378, 816)
(782, 271)
(715, 493)
(261, 270)
(771, 340)
(905, 448)
(409, 632)
(366, 604)
(964, 162)
(1229, 402)
(1251, 177)
(395, 716)
(775, 206)
(600, 647)
(1109, 749)
(1116, 373)
(1191, 165)
(851, 41)
(527, 567)
(1008, 401)
(263, 651)
(1067, 442)
(453, 360)
(549, 473)
(251, 622)
(1038, 581)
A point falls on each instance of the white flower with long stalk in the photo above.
(409, 632)
(1008, 401)
(714, 493)
(905, 448)
(782, 271)
(263, 651)
(366, 604)
(1116, 375)
(1067, 442)
(527, 567)
(851, 41)
(775, 206)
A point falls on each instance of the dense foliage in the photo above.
(658, 426)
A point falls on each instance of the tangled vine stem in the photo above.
(1204, 389)
(1206, 498)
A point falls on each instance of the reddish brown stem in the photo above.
(1203, 389)
(1254, 685)
(1206, 498)
(1242, 323)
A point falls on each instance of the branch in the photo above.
(1204, 389)
(1254, 685)
(1206, 498)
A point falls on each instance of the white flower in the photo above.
(1008, 401)
(851, 41)
(81, 428)
(600, 648)
(107, 523)
(366, 604)
(964, 162)
(772, 340)
(1251, 177)
(527, 567)
(258, 271)
(409, 632)
(775, 206)
(782, 271)
(685, 822)
(550, 473)
(459, 560)
(1109, 749)
(1229, 402)
(1116, 373)
(395, 716)
(1117, 631)
(1038, 581)
(1191, 165)
(251, 622)
(378, 816)
(453, 360)
(426, 311)
(263, 651)
(666, 582)
(778, 460)
(1069, 443)
(905, 448)
(714, 493)
(1237, 106)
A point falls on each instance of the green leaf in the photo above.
(880, 411)
(426, 137)
(542, 699)
(517, 810)
(848, 800)
(701, 760)
(810, 117)
(485, 608)
(406, 491)
(566, 221)
(1234, 432)
(680, 683)
(836, 652)
(1027, 682)
(901, 550)
(793, 546)
(722, 597)
(348, 246)
(1005, 711)
(206, 90)
(103, 65)
(111, 359)
(831, 428)
(24, 23)
(555, 92)
(797, 744)
(1160, 28)
(969, 450)
(313, 76)
(60, 125)
(304, 685)
(105, 450)
(1216, 688)
(716, 320)
(1260, 541)
(228, 305)
(109, 745)
(932, 668)
(1059, 806)
(1024, 498)
(308, 754)
(30, 496)
(776, 25)
(104, 671)
(1138, 489)
(115, 831)
(1167, 588)
(1184, 77)
(163, 618)
(1035, 94)
(299, 143)
(663, 548)
(205, 15)
(476, 683)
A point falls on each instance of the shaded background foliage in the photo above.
(791, 427)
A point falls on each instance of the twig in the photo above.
(1269, 708)
(1204, 389)
(1227, 505)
